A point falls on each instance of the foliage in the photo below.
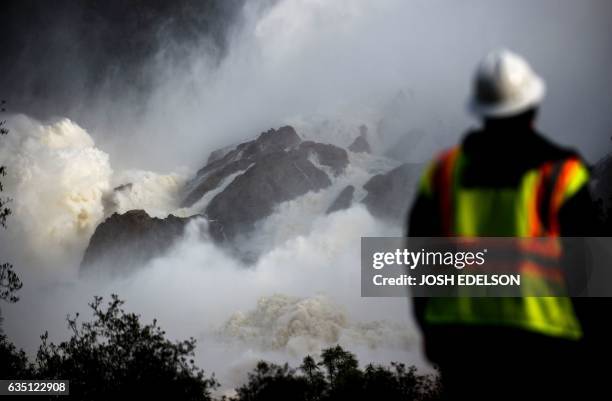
(4, 211)
(337, 376)
(9, 281)
(14, 363)
(116, 356)
(269, 381)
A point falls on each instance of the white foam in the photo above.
(57, 178)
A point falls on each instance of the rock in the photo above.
(328, 155)
(361, 144)
(124, 241)
(277, 166)
(250, 180)
(213, 179)
(390, 195)
(219, 154)
(223, 162)
(271, 141)
(267, 142)
(343, 201)
(278, 177)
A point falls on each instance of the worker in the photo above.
(505, 180)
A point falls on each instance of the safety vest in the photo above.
(530, 210)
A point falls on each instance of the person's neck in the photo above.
(514, 127)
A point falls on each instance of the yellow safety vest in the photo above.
(511, 212)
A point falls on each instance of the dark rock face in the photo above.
(213, 178)
(390, 195)
(328, 155)
(250, 180)
(361, 144)
(126, 240)
(276, 167)
(343, 201)
(222, 163)
(267, 142)
(279, 177)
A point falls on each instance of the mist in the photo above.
(86, 119)
(262, 64)
(302, 294)
(402, 67)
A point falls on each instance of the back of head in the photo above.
(517, 124)
(506, 88)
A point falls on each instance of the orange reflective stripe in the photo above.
(444, 178)
(568, 169)
(543, 247)
(535, 228)
(541, 194)
(535, 270)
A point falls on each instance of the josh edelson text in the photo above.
(424, 269)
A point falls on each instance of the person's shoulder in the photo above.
(551, 151)
(442, 161)
(473, 138)
(571, 169)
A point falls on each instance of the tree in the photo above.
(342, 380)
(14, 363)
(343, 374)
(9, 281)
(337, 361)
(273, 382)
(315, 378)
(399, 383)
(115, 356)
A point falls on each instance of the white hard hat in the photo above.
(505, 85)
